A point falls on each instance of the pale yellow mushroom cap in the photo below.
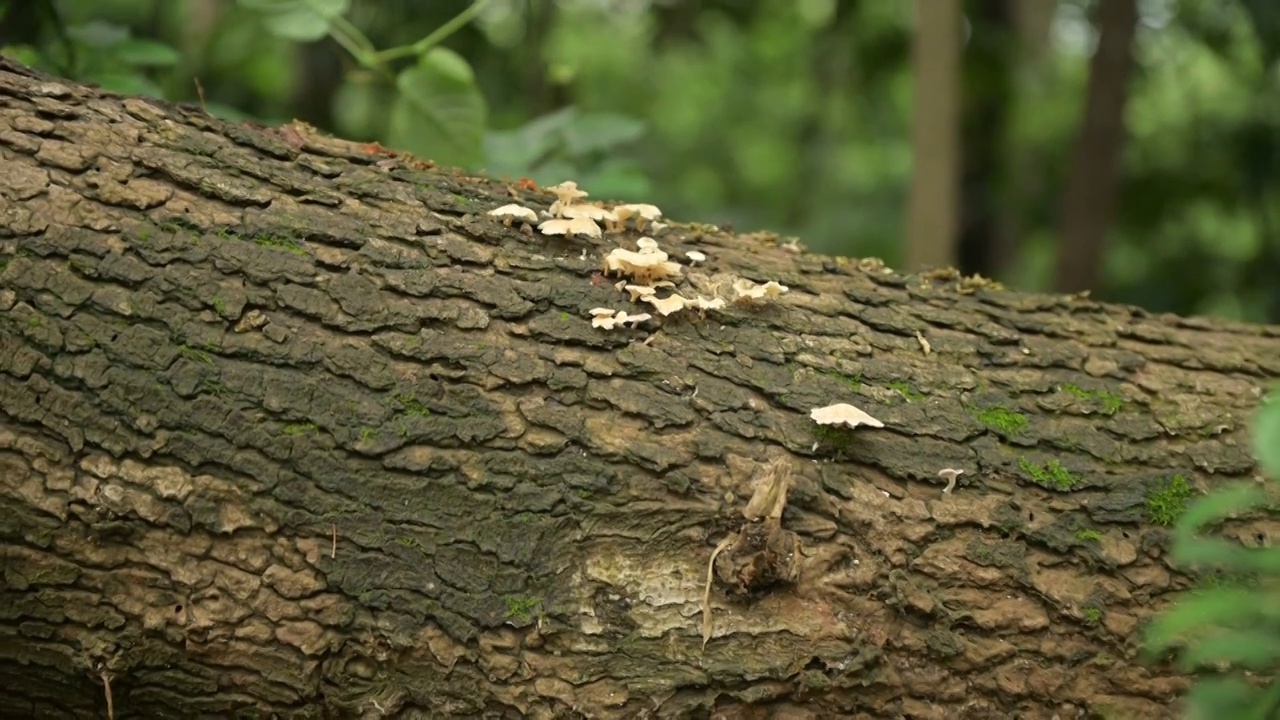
(570, 226)
(567, 192)
(666, 306)
(747, 289)
(587, 211)
(513, 210)
(648, 212)
(843, 414)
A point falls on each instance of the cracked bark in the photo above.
(288, 429)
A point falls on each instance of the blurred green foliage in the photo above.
(788, 115)
(1228, 630)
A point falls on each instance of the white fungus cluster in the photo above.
(649, 273)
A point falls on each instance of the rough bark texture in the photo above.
(293, 430)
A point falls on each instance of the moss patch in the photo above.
(296, 429)
(1092, 615)
(1111, 402)
(521, 607)
(906, 391)
(836, 438)
(1002, 419)
(279, 243)
(1088, 535)
(853, 382)
(411, 405)
(1051, 475)
(199, 356)
(1168, 500)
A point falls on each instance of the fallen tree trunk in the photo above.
(290, 428)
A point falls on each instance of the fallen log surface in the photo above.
(290, 428)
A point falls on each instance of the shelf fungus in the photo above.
(748, 291)
(761, 555)
(608, 318)
(843, 414)
(570, 227)
(514, 212)
(638, 213)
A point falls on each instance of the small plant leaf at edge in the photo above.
(440, 113)
(1266, 436)
(300, 20)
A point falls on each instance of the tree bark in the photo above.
(933, 209)
(1093, 182)
(292, 429)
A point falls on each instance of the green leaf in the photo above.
(521, 152)
(1216, 506)
(98, 34)
(1266, 436)
(300, 20)
(25, 54)
(1246, 649)
(1222, 697)
(1204, 610)
(439, 113)
(600, 132)
(360, 106)
(616, 179)
(127, 84)
(146, 53)
(1232, 557)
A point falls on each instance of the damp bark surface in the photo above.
(290, 428)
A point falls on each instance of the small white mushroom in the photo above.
(668, 305)
(566, 192)
(633, 319)
(597, 312)
(644, 267)
(950, 475)
(514, 212)
(640, 213)
(748, 290)
(647, 245)
(705, 303)
(640, 291)
(588, 211)
(924, 344)
(610, 320)
(843, 414)
(570, 227)
(695, 257)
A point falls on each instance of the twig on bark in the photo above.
(706, 591)
(333, 549)
(106, 688)
(200, 94)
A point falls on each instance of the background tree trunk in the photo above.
(933, 209)
(989, 58)
(288, 428)
(1093, 182)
